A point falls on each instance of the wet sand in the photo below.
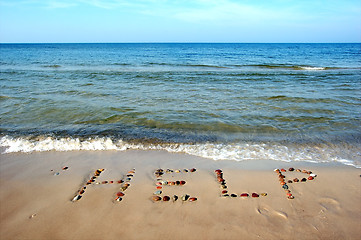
(36, 194)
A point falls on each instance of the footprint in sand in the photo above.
(330, 204)
(267, 212)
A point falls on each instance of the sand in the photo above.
(35, 203)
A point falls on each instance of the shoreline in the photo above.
(36, 203)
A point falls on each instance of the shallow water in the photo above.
(223, 101)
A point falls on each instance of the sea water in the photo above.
(286, 102)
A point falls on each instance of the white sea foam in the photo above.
(235, 151)
(313, 68)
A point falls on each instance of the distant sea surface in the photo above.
(286, 102)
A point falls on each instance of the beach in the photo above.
(37, 189)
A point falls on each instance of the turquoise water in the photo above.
(288, 102)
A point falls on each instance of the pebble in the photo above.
(285, 187)
(263, 194)
(290, 197)
(283, 170)
(56, 174)
(65, 168)
(193, 170)
(310, 178)
(182, 183)
(157, 192)
(224, 191)
(76, 198)
(192, 199)
(313, 175)
(175, 198)
(166, 198)
(177, 171)
(120, 194)
(291, 169)
(244, 195)
(118, 199)
(233, 195)
(185, 197)
(255, 195)
(303, 180)
(32, 215)
(289, 181)
(156, 198)
(159, 187)
(296, 180)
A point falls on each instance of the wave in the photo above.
(240, 151)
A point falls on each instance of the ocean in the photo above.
(284, 102)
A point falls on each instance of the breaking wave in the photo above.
(241, 151)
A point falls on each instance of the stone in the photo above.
(159, 187)
(65, 168)
(303, 180)
(289, 181)
(56, 174)
(291, 197)
(244, 195)
(233, 195)
(263, 194)
(313, 175)
(283, 170)
(291, 169)
(296, 180)
(310, 178)
(157, 192)
(76, 198)
(192, 199)
(182, 183)
(225, 195)
(298, 170)
(118, 199)
(175, 198)
(120, 194)
(111, 182)
(177, 171)
(255, 195)
(177, 182)
(276, 170)
(285, 186)
(185, 170)
(193, 170)
(289, 194)
(224, 191)
(156, 198)
(104, 182)
(185, 197)
(166, 198)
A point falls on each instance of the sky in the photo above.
(251, 21)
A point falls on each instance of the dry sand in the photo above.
(36, 204)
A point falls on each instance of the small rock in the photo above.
(65, 168)
(32, 216)
(244, 195)
(290, 197)
(156, 198)
(157, 192)
(289, 181)
(192, 199)
(263, 194)
(310, 178)
(313, 175)
(76, 198)
(233, 195)
(296, 180)
(255, 195)
(291, 169)
(303, 180)
(285, 187)
(120, 194)
(185, 197)
(224, 191)
(166, 198)
(175, 198)
(193, 170)
(118, 199)
(283, 170)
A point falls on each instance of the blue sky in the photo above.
(180, 21)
